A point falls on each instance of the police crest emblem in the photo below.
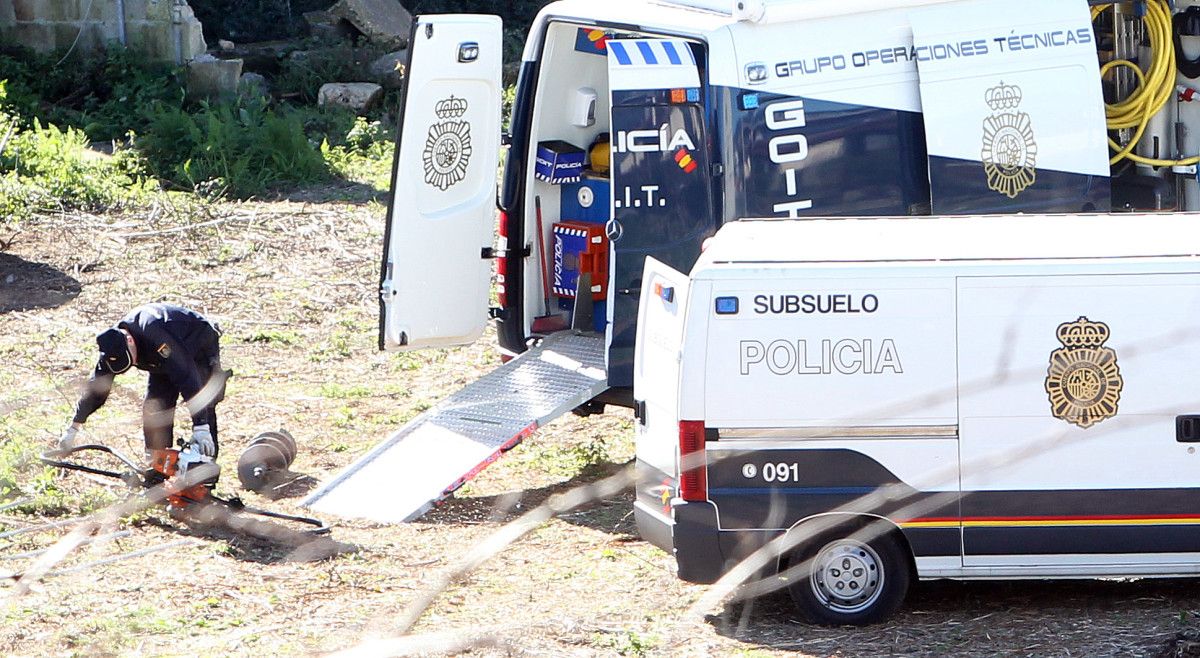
(448, 145)
(1083, 380)
(1009, 151)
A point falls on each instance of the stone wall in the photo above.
(163, 29)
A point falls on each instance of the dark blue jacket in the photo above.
(172, 341)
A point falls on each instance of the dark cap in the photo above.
(114, 352)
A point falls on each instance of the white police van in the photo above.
(983, 397)
(692, 115)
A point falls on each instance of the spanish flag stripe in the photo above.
(1042, 521)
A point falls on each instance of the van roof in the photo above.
(995, 237)
(780, 11)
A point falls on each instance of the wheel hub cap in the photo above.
(846, 576)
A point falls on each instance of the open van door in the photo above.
(657, 381)
(435, 277)
(661, 179)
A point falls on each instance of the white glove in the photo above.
(67, 441)
(202, 441)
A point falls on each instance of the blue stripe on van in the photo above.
(671, 53)
(647, 52)
(618, 49)
(781, 491)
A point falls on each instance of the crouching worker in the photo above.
(179, 348)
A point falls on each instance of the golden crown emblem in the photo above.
(1082, 333)
(450, 108)
(1083, 380)
(1003, 97)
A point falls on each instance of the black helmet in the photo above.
(114, 351)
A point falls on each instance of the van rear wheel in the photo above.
(844, 579)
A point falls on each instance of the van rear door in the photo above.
(435, 277)
(662, 199)
(656, 389)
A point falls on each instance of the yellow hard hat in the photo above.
(599, 153)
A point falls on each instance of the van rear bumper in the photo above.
(702, 552)
(697, 542)
(692, 537)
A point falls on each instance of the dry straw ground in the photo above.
(293, 285)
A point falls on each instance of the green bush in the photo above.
(241, 147)
(44, 166)
(57, 163)
(105, 95)
(364, 156)
(241, 150)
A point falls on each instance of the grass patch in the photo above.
(337, 391)
(563, 460)
(273, 336)
(627, 643)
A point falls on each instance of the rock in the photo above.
(389, 69)
(262, 56)
(226, 45)
(384, 22)
(325, 26)
(189, 38)
(212, 78)
(356, 96)
(253, 85)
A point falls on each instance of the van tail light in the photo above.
(693, 479)
(502, 260)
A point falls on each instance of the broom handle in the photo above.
(537, 204)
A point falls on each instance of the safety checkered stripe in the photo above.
(556, 181)
(573, 232)
(651, 52)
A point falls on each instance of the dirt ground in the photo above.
(293, 285)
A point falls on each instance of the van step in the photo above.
(435, 453)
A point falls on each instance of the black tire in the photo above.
(840, 579)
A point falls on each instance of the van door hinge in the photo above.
(716, 169)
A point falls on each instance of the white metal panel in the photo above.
(986, 61)
(954, 239)
(656, 369)
(1066, 566)
(858, 59)
(810, 351)
(695, 351)
(1008, 330)
(435, 282)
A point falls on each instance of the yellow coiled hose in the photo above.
(1155, 87)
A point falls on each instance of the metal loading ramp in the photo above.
(436, 452)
